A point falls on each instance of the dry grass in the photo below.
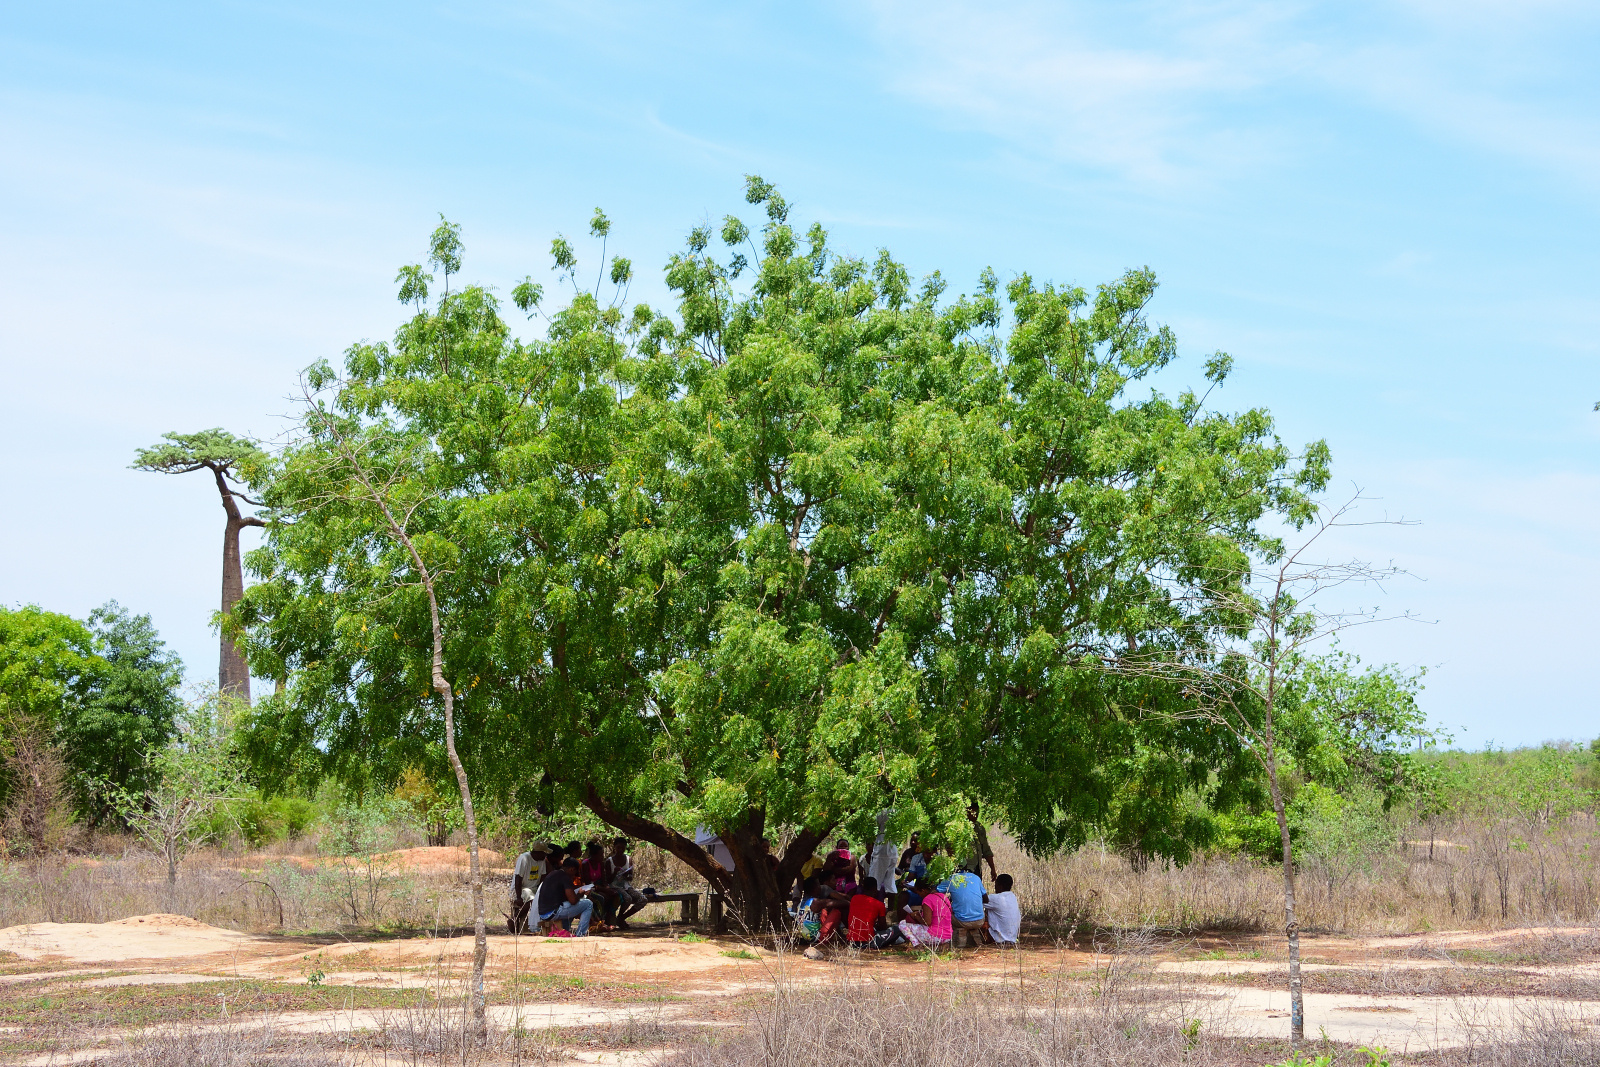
(1094, 888)
(249, 891)
(1541, 1036)
(223, 1046)
(1557, 883)
(1429, 982)
(955, 1025)
(233, 892)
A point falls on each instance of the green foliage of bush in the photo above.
(105, 691)
(263, 820)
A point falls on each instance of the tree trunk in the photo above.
(755, 892)
(1291, 927)
(441, 685)
(233, 676)
(480, 931)
(757, 899)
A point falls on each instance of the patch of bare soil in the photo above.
(140, 937)
(427, 859)
(1426, 982)
(1360, 991)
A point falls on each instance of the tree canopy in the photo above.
(816, 543)
(105, 691)
(215, 450)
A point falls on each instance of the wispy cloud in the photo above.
(1163, 94)
(1053, 79)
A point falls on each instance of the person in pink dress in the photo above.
(928, 924)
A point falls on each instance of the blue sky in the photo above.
(1387, 212)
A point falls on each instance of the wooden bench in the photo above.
(689, 912)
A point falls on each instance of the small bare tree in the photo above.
(1257, 633)
(391, 489)
(195, 776)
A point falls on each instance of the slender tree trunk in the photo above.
(480, 931)
(980, 838)
(1291, 927)
(441, 685)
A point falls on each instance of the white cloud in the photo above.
(1044, 76)
(1178, 93)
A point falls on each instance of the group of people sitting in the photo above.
(836, 908)
(838, 902)
(563, 883)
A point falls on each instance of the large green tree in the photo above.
(104, 693)
(229, 458)
(814, 545)
(129, 710)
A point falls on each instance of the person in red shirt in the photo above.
(867, 926)
(832, 907)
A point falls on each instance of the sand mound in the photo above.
(430, 858)
(163, 920)
(433, 857)
(139, 937)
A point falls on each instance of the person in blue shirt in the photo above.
(966, 894)
(918, 867)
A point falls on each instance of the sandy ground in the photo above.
(703, 981)
(141, 937)
(429, 859)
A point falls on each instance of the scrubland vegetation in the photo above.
(1509, 838)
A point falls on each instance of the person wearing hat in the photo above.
(525, 878)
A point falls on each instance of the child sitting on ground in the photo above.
(927, 925)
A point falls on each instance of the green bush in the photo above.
(1252, 834)
(261, 820)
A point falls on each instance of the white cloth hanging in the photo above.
(714, 845)
(885, 856)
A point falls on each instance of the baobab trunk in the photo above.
(233, 675)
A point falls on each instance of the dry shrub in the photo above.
(1541, 1035)
(37, 818)
(218, 1046)
(1557, 883)
(1098, 887)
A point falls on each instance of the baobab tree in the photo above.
(223, 455)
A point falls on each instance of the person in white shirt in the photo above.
(1003, 912)
(530, 870)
